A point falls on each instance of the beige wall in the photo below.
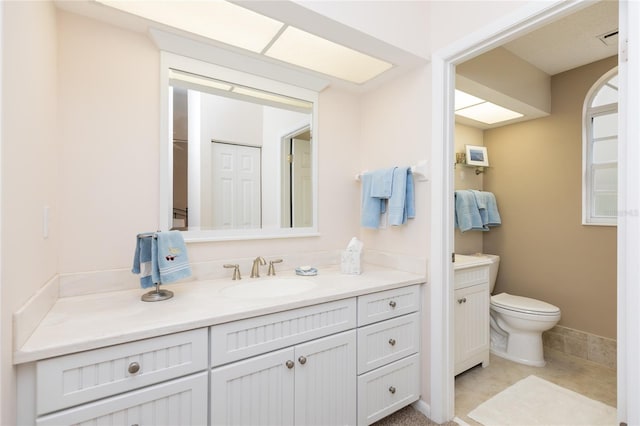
(29, 168)
(545, 251)
(466, 178)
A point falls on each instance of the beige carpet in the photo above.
(409, 416)
(535, 401)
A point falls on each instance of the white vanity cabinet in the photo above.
(154, 381)
(388, 352)
(308, 383)
(471, 317)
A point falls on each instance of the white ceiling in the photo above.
(571, 41)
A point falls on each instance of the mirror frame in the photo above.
(172, 61)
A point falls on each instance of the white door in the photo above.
(257, 391)
(325, 381)
(301, 184)
(235, 188)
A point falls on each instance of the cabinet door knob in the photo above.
(134, 367)
(302, 360)
(463, 300)
(392, 342)
(289, 364)
(392, 303)
(392, 389)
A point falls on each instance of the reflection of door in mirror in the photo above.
(297, 180)
(234, 200)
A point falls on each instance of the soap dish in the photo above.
(306, 271)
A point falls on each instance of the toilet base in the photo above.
(506, 356)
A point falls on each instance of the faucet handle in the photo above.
(272, 270)
(236, 270)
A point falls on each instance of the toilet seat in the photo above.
(524, 305)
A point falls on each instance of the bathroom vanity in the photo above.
(346, 351)
(471, 312)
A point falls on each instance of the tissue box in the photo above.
(350, 262)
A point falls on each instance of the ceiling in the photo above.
(571, 41)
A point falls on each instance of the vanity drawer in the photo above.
(383, 305)
(387, 389)
(245, 338)
(86, 376)
(181, 401)
(387, 341)
(471, 276)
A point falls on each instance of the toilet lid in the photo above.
(523, 304)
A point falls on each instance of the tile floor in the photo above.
(586, 377)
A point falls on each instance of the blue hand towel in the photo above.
(402, 203)
(467, 212)
(381, 183)
(371, 207)
(143, 261)
(488, 208)
(171, 252)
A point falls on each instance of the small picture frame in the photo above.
(477, 156)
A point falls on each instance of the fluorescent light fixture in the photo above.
(198, 80)
(464, 100)
(217, 20)
(478, 109)
(318, 54)
(272, 97)
(488, 113)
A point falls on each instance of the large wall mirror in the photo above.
(239, 157)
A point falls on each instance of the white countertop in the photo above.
(464, 261)
(92, 321)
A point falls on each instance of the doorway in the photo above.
(441, 271)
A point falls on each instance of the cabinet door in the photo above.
(174, 403)
(471, 326)
(325, 381)
(256, 391)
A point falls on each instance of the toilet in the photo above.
(517, 323)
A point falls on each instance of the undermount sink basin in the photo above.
(270, 287)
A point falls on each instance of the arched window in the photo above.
(600, 152)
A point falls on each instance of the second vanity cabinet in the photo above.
(471, 317)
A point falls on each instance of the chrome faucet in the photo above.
(255, 269)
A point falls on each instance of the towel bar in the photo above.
(418, 170)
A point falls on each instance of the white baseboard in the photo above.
(423, 408)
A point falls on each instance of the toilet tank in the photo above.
(493, 269)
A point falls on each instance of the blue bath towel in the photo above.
(171, 251)
(467, 215)
(402, 201)
(371, 207)
(381, 182)
(488, 208)
(143, 261)
(160, 258)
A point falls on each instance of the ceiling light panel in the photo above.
(218, 20)
(464, 100)
(315, 53)
(488, 113)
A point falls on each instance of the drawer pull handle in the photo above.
(134, 367)
(392, 389)
(302, 360)
(392, 342)
(289, 364)
(392, 303)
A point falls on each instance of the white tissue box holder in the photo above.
(350, 262)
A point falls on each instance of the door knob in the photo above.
(392, 342)
(134, 367)
(392, 303)
(302, 360)
(289, 364)
(392, 389)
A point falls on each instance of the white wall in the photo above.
(29, 169)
